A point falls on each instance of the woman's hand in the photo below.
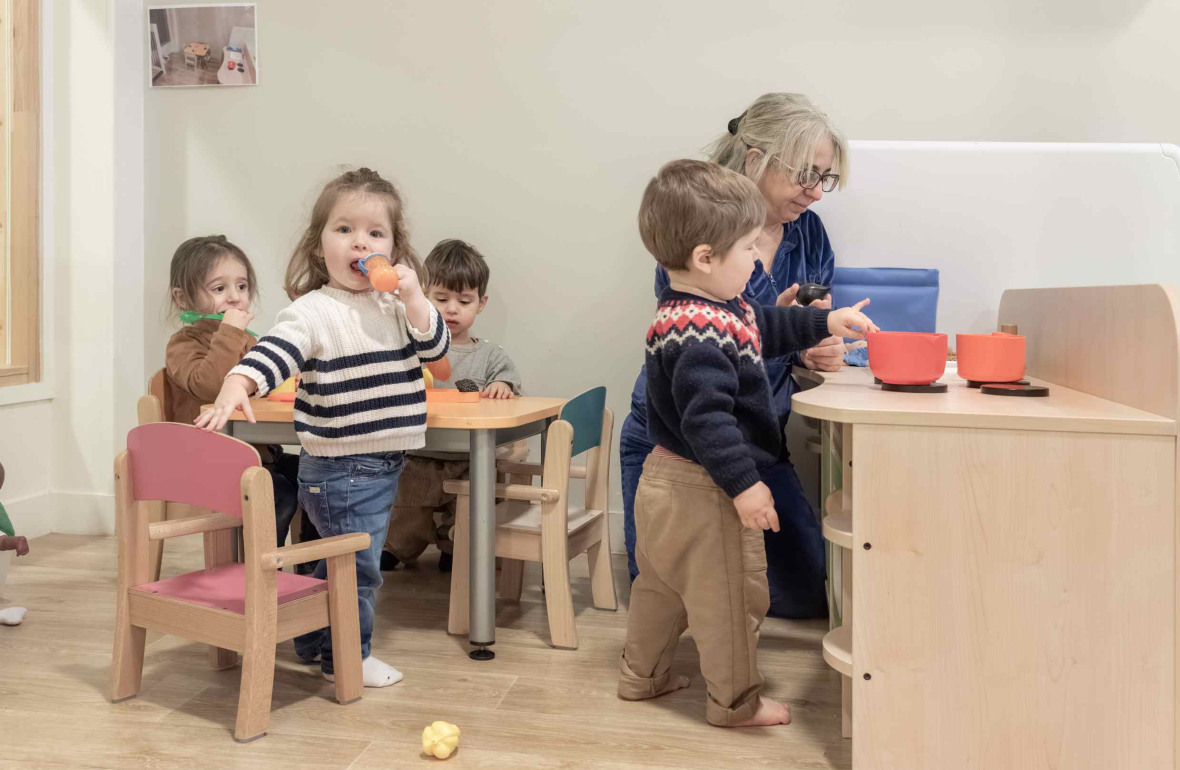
(235, 394)
(788, 297)
(850, 322)
(827, 356)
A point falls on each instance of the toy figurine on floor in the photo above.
(9, 542)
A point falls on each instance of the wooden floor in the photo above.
(532, 707)
(180, 75)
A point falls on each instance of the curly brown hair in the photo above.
(307, 270)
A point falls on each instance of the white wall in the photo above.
(58, 450)
(208, 25)
(529, 128)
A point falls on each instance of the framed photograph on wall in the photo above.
(203, 45)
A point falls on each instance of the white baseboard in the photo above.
(84, 513)
(33, 516)
(71, 513)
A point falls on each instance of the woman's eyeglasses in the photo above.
(809, 178)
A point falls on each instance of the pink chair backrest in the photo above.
(184, 464)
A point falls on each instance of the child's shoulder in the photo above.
(188, 334)
(700, 319)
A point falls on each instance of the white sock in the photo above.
(14, 615)
(375, 673)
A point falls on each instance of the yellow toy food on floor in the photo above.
(428, 377)
(440, 739)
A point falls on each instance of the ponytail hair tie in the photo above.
(733, 124)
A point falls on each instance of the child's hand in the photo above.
(755, 507)
(408, 286)
(842, 322)
(238, 319)
(235, 394)
(498, 390)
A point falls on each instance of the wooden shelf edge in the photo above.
(838, 649)
(837, 522)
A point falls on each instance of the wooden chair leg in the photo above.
(345, 620)
(258, 675)
(559, 603)
(126, 674)
(258, 664)
(555, 567)
(157, 511)
(602, 578)
(458, 621)
(511, 579)
(297, 526)
(219, 549)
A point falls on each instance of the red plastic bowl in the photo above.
(995, 357)
(907, 358)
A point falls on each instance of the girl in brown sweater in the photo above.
(212, 276)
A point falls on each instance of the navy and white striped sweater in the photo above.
(361, 388)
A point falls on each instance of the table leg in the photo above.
(482, 633)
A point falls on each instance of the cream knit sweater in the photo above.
(361, 389)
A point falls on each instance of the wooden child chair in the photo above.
(244, 607)
(538, 524)
(153, 408)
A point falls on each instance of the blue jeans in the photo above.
(634, 447)
(342, 495)
(795, 559)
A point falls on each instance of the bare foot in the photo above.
(770, 712)
(674, 683)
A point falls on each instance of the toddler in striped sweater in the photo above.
(361, 403)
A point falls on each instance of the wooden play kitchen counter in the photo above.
(1009, 566)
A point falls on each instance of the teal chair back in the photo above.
(584, 413)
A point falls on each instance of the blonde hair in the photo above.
(191, 263)
(784, 128)
(691, 202)
(307, 270)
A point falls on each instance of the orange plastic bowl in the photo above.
(995, 357)
(907, 358)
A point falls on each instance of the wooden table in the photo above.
(477, 428)
(200, 50)
(1009, 565)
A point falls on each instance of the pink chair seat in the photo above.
(224, 587)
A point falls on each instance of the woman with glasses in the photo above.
(791, 150)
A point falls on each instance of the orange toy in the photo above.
(285, 391)
(995, 357)
(907, 358)
(382, 276)
(440, 369)
(451, 397)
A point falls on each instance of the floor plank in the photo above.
(533, 707)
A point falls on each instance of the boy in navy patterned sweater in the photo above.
(701, 505)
